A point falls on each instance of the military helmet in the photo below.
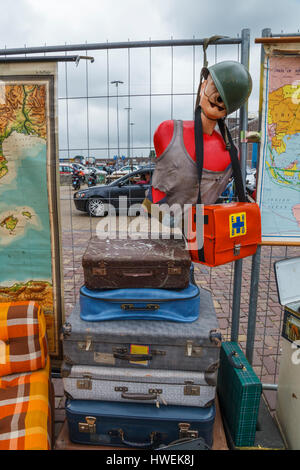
(233, 82)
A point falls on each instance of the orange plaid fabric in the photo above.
(25, 411)
(23, 341)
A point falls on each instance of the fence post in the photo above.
(238, 265)
(257, 257)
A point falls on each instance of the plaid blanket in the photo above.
(23, 343)
(25, 411)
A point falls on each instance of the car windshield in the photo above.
(126, 179)
(119, 180)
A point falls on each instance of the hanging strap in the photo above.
(206, 43)
(199, 148)
(236, 167)
(237, 174)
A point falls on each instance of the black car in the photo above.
(131, 188)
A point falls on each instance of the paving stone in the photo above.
(270, 364)
(270, 396)
(223, 323)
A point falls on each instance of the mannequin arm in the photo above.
(162, 137)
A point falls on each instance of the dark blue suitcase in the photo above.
(178, 305)
(136, 425)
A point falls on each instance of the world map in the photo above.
(279, 185)
(25, 241)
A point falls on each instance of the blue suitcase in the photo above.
(136, 425)
(178, 305)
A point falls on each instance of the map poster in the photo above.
(29, 211)
(278, 186)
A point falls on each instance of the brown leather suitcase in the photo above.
(142, 263)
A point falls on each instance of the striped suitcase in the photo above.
(136, 425)
(159, 387)
(239, 391)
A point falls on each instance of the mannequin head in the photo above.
(211, 102)
(228, 83)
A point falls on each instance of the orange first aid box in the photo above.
(231, 231)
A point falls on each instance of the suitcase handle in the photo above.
(135, 274)
(154, 439)
(139, 396)
(133, 357)
(131, 307)
(231, 361)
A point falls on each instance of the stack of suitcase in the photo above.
(141, 348)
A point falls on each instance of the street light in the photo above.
(116, 82)
(128, 132)
(131, 124)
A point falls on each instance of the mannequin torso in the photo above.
(216, 157)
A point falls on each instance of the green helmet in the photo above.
(233, 82)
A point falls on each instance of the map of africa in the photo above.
(279, 190)
(25, 235)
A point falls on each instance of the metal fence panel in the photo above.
(101, 119)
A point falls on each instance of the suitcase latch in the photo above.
(135, 308)
(191, 350)
(157, 391)
(99, 271)
(121, 389)
(66, 330)
(85, 383)
(89, 426)
(190, 389)
(236, 250)
(186, 432)
(87, 345)
(174, 271)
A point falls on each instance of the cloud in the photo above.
(231, 16)
(74, 21)
(173, 72)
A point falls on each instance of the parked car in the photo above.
(79, 166)
(87, 170)
(109, 169)
(124, 170)
(101, 168)
(65, 169)
(94, 200)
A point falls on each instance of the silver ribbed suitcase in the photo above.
(160, 387)
(147, 344)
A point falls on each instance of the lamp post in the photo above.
(116, 82)
(128, 133)
(131, 124)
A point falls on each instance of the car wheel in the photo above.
(96, 207)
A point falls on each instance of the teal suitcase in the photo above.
(239, 390)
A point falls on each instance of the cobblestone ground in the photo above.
(77, 228)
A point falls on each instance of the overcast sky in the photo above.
(39, 22)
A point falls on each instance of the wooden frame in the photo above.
(43, 77)
(267, 168)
